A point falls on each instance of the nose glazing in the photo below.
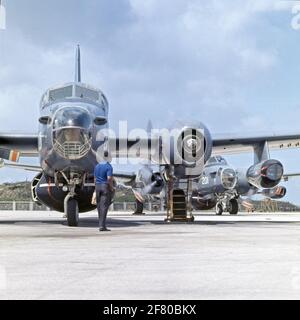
(71, 133)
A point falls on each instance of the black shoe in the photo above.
(103, 229)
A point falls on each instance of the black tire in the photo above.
(233, 206)
(219, 209)
(72, 212)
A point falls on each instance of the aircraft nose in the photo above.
(228, 178)
(72, 117)
(71, 133)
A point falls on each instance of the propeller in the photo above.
(141, 193)
(11, 155)
(146, 182)
(248, 204)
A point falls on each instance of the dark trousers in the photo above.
(103, 202)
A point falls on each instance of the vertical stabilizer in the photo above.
(78, 65)
(261, 152)
(149, 127)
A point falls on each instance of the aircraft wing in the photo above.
(26, 167)
(222, 143)
(25, 145)
(233, 144)
(131, 148)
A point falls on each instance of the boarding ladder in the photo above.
(179, 208)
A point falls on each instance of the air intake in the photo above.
(72, 150)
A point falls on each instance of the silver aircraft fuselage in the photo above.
(70, 118)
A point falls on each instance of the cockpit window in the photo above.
(60, 93)
(82, 92)
(73, 91)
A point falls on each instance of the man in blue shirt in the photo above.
(104, 188)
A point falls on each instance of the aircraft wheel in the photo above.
(233, 206)
(71, 211)
(219, 209)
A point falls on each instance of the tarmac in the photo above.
(248, 256)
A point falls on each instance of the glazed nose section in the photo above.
(72, 133)
(72, 117)
(228, 178)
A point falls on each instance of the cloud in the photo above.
(221, 62)
(28, 70)
(271, 5)
(197, 57)
(148, 55)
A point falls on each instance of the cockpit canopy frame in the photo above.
(74, 92)
(217, 160)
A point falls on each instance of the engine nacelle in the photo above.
(203, 202)
(188, 147)
(266, 174)
(242, 187)
(276, 193)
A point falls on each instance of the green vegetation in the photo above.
(20, 191)
(268, 205)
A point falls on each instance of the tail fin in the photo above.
(149, 126)
(261, 152)
(78, 65)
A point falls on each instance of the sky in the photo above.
(234, 65)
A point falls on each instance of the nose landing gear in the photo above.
(71, 210)
(219, 209)
(231, 206)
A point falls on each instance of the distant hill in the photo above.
(21, 191)
(268, 205)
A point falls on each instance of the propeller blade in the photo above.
(148, 188)
(248, 204)
(138, 196)
(11, 155)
